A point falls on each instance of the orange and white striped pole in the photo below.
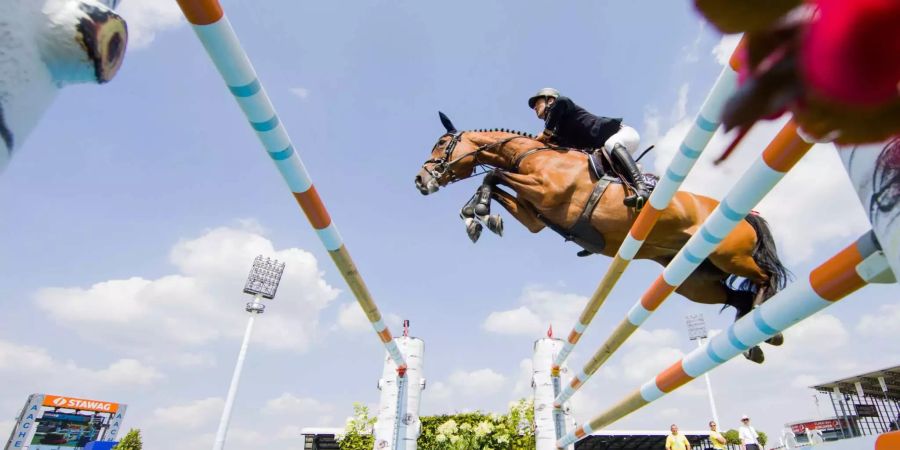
(852, 268)
(222, 44)
(777, 159)
(705, 125)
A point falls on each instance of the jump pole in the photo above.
(777, 159)
(851, 269)
(223, 46)
(218, 37)
(705, 125)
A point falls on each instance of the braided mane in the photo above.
(504, 130)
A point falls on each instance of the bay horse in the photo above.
(551, 186)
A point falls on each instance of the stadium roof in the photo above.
(869, 382)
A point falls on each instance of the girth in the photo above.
(582, 232)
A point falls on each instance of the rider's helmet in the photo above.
(545, 92)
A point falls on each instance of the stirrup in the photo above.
(636, 201)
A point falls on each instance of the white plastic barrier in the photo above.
(545, 392)
(398, 424)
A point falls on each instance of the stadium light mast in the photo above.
(697, 332)
(265, 275)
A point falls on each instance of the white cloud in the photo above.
(6, 427)
(540, 309)
(200, 305)
(792, 208)
(820, 335)
(723, 50)
(646, 353)
(884, 324)
(146, 18)
(481, 382)
(35, 363)
(301, 92)
(691, 52)
(129, 371)
(521, 320)
(352, 319)
(24, 358)
(189, 416)
(290, 404)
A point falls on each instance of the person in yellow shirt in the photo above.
(718, 441)
(676, 440)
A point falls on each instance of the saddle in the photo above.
(582, 232)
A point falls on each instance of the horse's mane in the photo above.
(504, 130)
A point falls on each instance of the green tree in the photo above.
(358, 432)
(732, 437)
(131, 441)
(511, 431)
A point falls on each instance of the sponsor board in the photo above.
(55, 422)
(56, 401)
(822, 425)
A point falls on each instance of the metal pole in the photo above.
(235, 380)
(712, 402)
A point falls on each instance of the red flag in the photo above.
(550, 331)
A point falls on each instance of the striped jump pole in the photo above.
(705, 125)
(222, 44)
(852, 268)
(777, 159)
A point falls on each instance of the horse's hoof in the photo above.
(467, 212)
(776, 340)
(495, 224)
(473, 229)
(482, 209)
(755, 354)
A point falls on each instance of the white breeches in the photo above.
(627, 136)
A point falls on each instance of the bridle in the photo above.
(443, 164)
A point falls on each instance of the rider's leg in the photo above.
(620, 146)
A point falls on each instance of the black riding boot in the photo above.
(634, 176)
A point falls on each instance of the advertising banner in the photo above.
(54, 422)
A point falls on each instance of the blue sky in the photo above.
(133, 212)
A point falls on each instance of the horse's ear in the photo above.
(447, 123)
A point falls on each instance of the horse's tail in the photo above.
(766, 257)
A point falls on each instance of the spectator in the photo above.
(718, 441)
(676, 440)
(748, 435)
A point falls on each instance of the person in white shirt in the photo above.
(748, 435)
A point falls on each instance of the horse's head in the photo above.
(450, 160)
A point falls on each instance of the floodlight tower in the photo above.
(697, 332)
(261, 283)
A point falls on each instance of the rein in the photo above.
(443, 164)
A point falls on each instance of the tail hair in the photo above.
(765, 254)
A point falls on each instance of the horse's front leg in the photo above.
(527, 187)
(522, 211)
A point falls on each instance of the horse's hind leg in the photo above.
(734, 255)
(522, 211)
(707, 285)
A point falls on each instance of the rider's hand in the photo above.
(545, 137)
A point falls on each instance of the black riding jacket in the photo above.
(574, 126)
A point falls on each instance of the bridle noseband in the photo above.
(443, 164)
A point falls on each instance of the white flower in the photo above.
(483, 428)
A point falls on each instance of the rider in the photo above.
(569, 125)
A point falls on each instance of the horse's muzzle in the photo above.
(426, 187)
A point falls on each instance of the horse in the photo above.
(552, 186)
